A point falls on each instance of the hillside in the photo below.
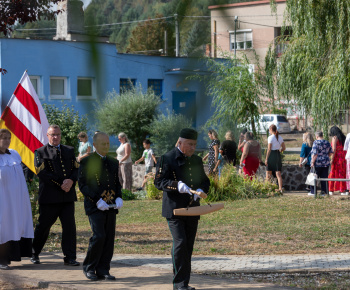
(193, 31)
(118, 18)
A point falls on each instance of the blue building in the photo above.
(75, 72)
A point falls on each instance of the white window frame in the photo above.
(65, 96)
(245, 32)
(93, 89)
(39, 91)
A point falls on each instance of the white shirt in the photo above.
(121, 154)
(346, 146)
(147, 154)
(276, 145)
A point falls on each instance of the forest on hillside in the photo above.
(118, 19)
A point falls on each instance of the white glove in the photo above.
(102, 205)
(183, 188)
(118, 203)
(197, 196)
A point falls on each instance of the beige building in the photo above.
(256, 27)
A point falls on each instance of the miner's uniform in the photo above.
(53, 165)
(173, 167)
(98, 178)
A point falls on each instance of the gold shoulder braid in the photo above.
(38, 169)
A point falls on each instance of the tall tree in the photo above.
(148, 37)
(314, 69)
(235, 90)
(23, 11)
(130, 112)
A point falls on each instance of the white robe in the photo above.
(15, 210)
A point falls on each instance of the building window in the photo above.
(86, 88)
(244, 39)
(126, 84)
(59, 88)
(36, 85)
(156, 86)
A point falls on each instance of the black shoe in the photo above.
(91, 276)
(184, 288)
(71, 263)
(106, 277)
(35, 259)
(4, 267)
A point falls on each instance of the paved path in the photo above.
(146, 272)
(52, 274)
(244, 264)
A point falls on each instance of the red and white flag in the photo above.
(25, 118)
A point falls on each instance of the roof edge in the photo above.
(243, 4)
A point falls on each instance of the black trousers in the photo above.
(101, 244)
(322, 172)
(48, 214)
(183, 231)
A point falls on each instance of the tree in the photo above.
(148, 37)
(235, 90)
(314, 70)
(165, 131)
(23, 11)
(130, 112)
(70, 122)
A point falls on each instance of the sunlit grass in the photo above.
(280, 225)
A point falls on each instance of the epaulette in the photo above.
(38, 169)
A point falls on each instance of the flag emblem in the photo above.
(25, 118)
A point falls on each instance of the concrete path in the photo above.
(247, 264)
(147, 272)
(52, 274)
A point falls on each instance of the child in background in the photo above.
(220, 164)
(149, 158)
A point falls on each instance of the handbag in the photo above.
(305, 160)
(310, 179)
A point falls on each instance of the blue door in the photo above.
(184, 103)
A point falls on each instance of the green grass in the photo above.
(281, 225)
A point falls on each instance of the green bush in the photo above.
(152, 191)
(165, 131)
(128, 195)
(70, 122)
(232, 186)
(33, 188)
(130, 112)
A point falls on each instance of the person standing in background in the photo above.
(125, 162)
(338, 162)
(149, 158)
(228, 148)
(84, 146)
(320, 159)
(213, 153)
(305, 152)
(275, 146)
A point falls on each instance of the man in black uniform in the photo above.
(177, 172)
(99, 183)
(57, 170)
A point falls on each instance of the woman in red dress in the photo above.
(251, 155)
(338, 169)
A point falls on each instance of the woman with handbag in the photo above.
(320, 154)
(305, 154)
(275, 146)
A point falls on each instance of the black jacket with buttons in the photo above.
(172, 168)
(52, 167)
(98, 178)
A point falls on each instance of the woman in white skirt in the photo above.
(16, 223)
